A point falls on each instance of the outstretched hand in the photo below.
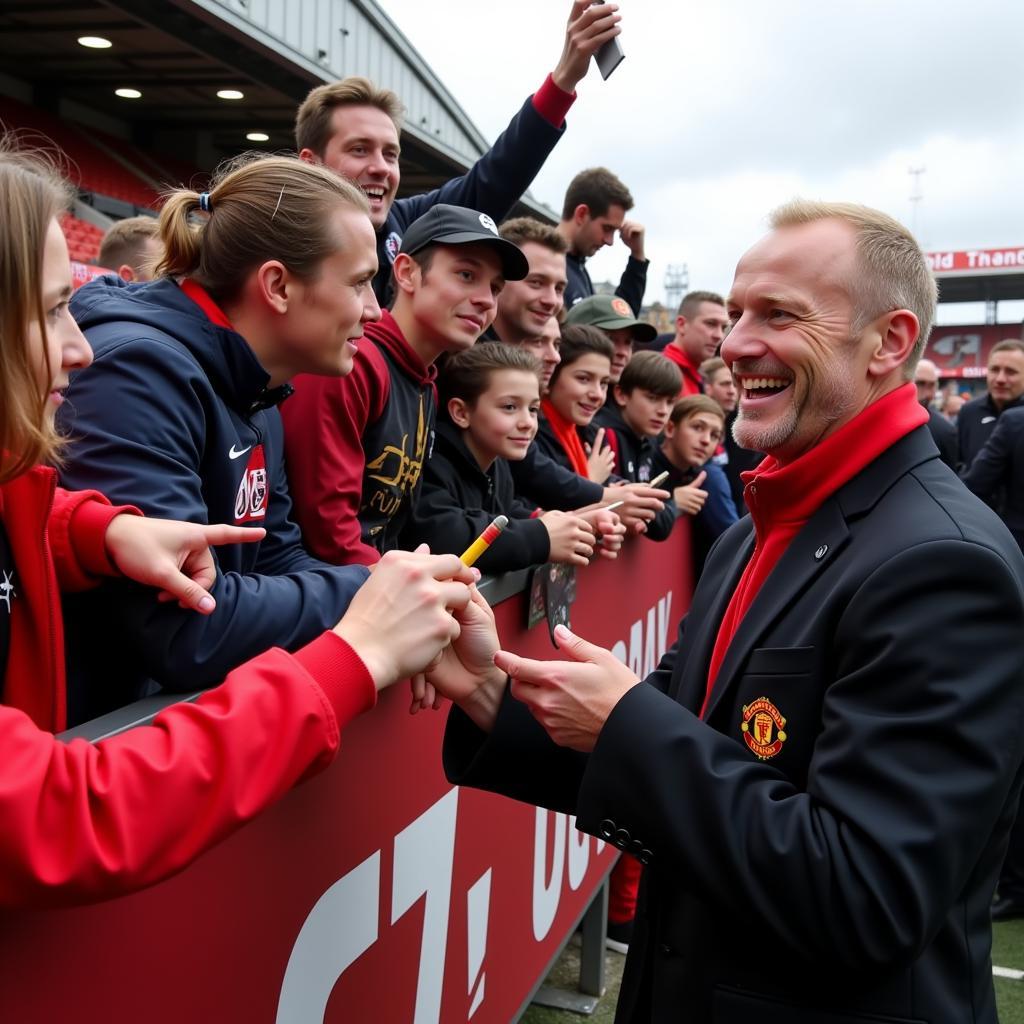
(640, 503)
(173, 556)
(590, 27)
(465, 672)
(571, 699)
(404, 615)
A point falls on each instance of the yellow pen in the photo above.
(484, 541)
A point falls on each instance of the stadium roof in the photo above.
(179, 53)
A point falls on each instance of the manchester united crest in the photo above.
(763, 728)
(622, 307)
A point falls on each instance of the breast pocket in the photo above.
(777, 711)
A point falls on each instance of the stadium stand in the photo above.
(93, 168)
(83, 238)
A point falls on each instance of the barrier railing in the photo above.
(373, 893)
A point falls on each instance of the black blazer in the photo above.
(845, 874)
(998, 469)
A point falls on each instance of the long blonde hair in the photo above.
(32, 193)
(258, 209)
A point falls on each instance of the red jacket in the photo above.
(85, 821)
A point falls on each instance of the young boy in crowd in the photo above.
(699, 487)
(489, 399)
(644, 398)
(356, 445)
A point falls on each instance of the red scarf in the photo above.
(201, 297)
(693, 383)
(565, 431)
(782, 498)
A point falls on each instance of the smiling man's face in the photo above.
(800, 373)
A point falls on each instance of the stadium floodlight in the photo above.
(258, 137)
(128, 94)
(230, 94)
(95, 42)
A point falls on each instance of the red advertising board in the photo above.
(375, 892)
(83, 273)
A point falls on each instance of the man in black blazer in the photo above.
(821, 774)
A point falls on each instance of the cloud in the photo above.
(723, 110)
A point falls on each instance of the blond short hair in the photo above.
(892, 272)
(313, 120)
(125, 242)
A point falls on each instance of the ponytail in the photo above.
(267, 208)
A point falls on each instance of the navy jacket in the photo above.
(170, 417)
(847, 876)
(459, 500)
(632, 284)
(493, 185)
(999, 469)
(974, 423)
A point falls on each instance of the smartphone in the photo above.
(610, 56)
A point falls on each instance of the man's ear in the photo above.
(272, 281)
(680, 324)
(670, 429)
(894, 336)
(307, 156)
(458, 410)
(621, 397)
(407, 273)
(126, 273)
(581, 214)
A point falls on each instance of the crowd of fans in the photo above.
(335, 374)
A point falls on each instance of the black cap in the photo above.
(455, 225)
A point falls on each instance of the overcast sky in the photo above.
(725, 108)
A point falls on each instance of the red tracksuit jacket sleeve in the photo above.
(323, 435)
(76, 532)
(86, 821)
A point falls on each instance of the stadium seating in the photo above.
(92, 168)
(83, 238)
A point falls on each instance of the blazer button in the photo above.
(622, 838)
(607, 828)
(644, 856)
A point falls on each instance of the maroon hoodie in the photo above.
(355, 447)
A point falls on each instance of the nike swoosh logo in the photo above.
(988, 419)
(232, 454)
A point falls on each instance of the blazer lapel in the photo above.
(711, 598)
(810, 551)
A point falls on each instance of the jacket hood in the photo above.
(162, 306)
(385, 333)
